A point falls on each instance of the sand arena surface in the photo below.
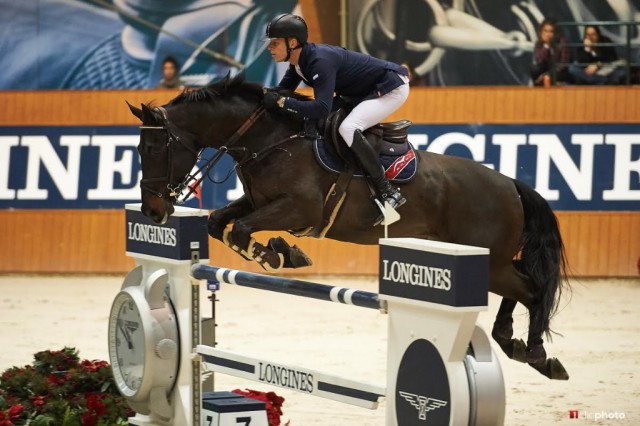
(600, 347)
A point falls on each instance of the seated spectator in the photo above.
(596, 64)
(170, 76)
(550, 49)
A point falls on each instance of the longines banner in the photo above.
(575, 167)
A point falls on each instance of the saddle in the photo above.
(389, 140)
(386, 138)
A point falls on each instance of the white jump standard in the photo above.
(432, 293)
(441, 369)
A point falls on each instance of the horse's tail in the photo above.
(542, 256)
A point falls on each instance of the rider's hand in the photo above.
(270, 101)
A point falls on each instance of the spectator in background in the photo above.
(550, 50)
(170, 76)
(596, 64)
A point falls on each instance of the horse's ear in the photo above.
(227, 79)
(147, 115)
(240, 77)
(135, 111)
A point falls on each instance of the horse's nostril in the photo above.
(158, 218)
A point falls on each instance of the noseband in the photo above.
(172, 139)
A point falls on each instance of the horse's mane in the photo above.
(228, 87)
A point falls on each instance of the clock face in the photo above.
(129, 341)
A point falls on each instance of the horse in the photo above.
(451, 199)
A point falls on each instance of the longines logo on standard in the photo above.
(422, 392)
(151, 234)
(286, 377)
(422, 403)
(423, 276)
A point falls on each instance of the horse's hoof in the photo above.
(293, 256)
(519, 350)
(515, 349)
(298, 258)
(268, 259)
(557, 370)
(551, 368)
(279, 245)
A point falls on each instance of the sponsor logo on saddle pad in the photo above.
(399, 165)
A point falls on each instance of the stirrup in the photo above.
(395, 199)
(388, 214)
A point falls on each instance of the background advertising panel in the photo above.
(120, 44)
(442, 40)
(574, 166)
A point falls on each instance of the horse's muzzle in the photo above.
(159, 213)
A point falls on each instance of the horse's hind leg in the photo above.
(502, 332)
(516, 287)
(537, 356)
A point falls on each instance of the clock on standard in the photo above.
(144, 343)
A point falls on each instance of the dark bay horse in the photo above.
(451, 199)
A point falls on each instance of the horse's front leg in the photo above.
(220, 218)
(279, 215)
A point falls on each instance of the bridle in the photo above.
(172, 140)
(191, 180)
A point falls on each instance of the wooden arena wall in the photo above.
(598, 243)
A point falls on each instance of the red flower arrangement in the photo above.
(271, 399)
(60, 390)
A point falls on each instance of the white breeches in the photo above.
(372, 111)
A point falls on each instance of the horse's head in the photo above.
(166, 156)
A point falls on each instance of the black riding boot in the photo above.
(371, 164)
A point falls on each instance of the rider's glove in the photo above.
(270, 101)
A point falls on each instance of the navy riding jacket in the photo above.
(328, 69)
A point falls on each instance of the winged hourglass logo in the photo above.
(422, 403)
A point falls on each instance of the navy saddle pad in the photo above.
(399, 160)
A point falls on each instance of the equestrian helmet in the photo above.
(288, 26)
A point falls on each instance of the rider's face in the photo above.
(278, 49)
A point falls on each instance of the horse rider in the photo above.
(379, 87)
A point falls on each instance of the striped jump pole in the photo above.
(347, 296)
